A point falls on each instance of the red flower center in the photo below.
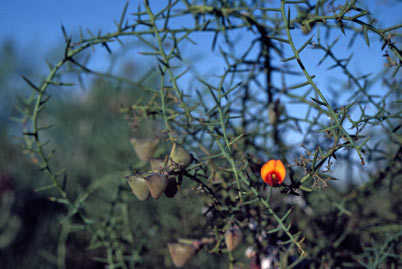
(273, 179)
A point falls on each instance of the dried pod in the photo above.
(233, 237)
(272, 114)
(144, 147)
(181, 253)
(179, 157)
(157, 165)
(157, 184)
(172, 187)
(307, 27)
(139, 187)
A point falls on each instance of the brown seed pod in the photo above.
(157, 184)
(138, 186)
(272, 114)
(307, 27)
(158, 165)
(172, 187)
(144, 147)
(233, 237)
(179, 157)
(181, 253)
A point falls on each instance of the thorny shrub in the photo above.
(204, 121)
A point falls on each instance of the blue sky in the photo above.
(38, 22)
(35, 26)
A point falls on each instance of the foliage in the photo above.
(231, 121)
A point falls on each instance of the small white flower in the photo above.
(250, 252)
(266, 263)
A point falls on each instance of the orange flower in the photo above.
(273, 172)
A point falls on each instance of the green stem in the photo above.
(315, 87)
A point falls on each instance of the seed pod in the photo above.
(172, 187)
(307, 27)
(272, 114)
(138, 186)
(181, 253)
(157, 165)
(179, 157)
(157, 184)
(233, 237)
(144, 147)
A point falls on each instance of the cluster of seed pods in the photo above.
(162, 179)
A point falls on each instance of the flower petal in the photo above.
(273, 172)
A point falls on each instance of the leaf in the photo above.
(279, 39)
(304, 188)
(366, 36)
(318, 101)
(288, 59)
(30, 83)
